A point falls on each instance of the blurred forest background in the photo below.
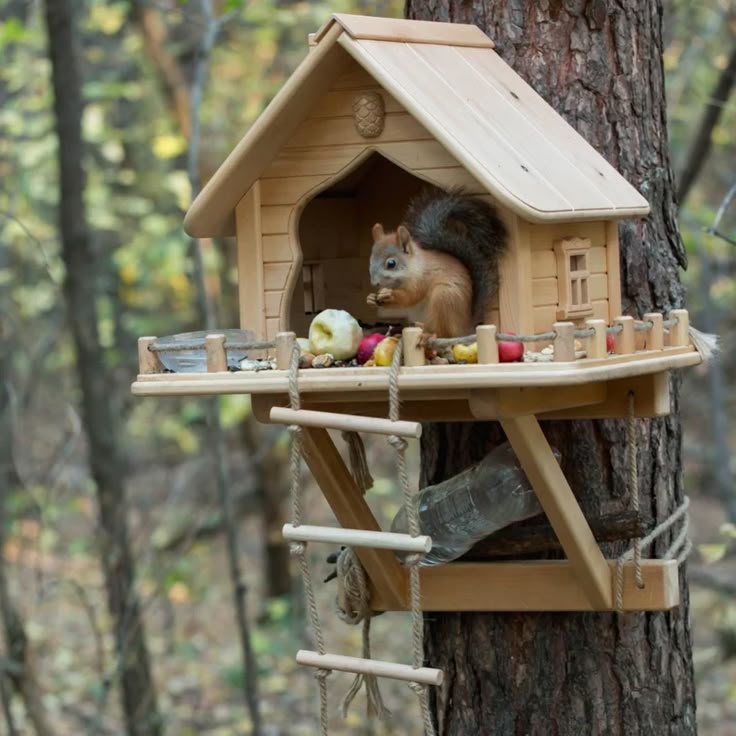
(143, 65)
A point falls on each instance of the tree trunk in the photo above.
(100, 422)
(599, 64)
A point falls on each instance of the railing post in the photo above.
(148, 361)
(413, 352)
(680, 331)
(654, 338)
(624, 342)
(284, 347)
(564, 342)
(487, 345)
(216, 355)
(596, 344)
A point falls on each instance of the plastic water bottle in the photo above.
(461, 511)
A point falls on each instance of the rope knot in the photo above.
(398, 443)
(353, 595)
(321, 675)
(294, 430)
(417, 687)
(413, 559)
(297, 549)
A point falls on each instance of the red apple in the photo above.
(367, 346)
(510, 352)
(610, 343)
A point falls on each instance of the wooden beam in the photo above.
(351, 510)
(547, 585)
(651, 399)
(561, 507)
(510, 402)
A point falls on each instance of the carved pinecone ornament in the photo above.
(369, 113)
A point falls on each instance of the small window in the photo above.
(573, 278)
(314, 288)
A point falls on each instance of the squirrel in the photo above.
(442, 262)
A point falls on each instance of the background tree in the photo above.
(105, 456)
(600, 65)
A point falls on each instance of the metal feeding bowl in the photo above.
(185, 352)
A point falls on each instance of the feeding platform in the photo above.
(585, 383)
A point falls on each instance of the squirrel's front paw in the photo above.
(381, 297)
(384, 296)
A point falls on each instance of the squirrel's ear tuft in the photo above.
(403, 237)
(378, 233)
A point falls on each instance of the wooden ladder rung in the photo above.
(344, 422)
(357, 538)
(377, 667)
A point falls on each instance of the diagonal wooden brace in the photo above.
(561, 507)
(351, 510)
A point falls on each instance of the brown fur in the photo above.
(428, 279)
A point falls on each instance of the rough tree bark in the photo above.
(100, 422)
(598, 62)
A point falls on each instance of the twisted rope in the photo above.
(358, 463)
(157, 347)
(448, 342)
(587, 332)
(631, 452)
(678, 550)
(643, 326)
(541, 337)
(353, 607)
(298, 549)
(412, 561)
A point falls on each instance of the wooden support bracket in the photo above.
(546, 585)
(351, 510)
(561, 507)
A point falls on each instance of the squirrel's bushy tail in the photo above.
(468, 229)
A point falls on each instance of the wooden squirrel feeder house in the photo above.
(378, 110)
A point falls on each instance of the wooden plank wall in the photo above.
(544, 269)
(324, 146)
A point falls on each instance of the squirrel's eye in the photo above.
(391, 263)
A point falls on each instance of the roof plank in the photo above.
(480, 148)
(500, 75)
(507, 122)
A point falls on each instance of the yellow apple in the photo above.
(384, 352)
(465, 353)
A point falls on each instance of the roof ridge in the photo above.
(402, 30)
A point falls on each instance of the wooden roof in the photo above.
(450, 79)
